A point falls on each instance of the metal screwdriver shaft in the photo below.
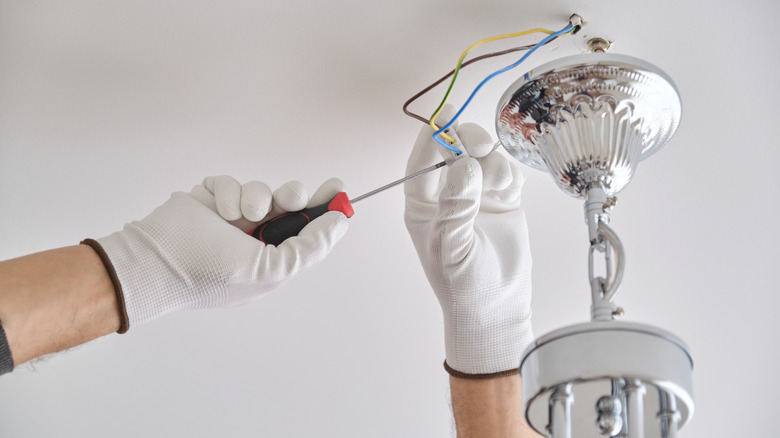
(277, 230)
(400, 181)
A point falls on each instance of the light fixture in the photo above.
(588, 120)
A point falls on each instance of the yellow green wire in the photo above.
(460, 62)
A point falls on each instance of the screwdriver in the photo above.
(277, 230)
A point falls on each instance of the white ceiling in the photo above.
(108, 106)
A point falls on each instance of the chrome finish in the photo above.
(603, 289)
(609, 423)
(635, 411)
(589, 118)
(591, 357)
(595, 211)
(613, 282)
(610, 418)
(609, 404)
(600, 309)
(668, 414)
(560, 412)
(595, 215)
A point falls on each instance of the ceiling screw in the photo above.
(599, 45)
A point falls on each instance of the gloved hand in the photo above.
(194, 250)
(472, 240)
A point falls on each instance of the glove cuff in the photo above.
(124, 321)
(458, 374)
(487, 331)
(148, 285)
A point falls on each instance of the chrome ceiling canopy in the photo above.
(589, 118)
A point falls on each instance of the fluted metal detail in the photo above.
(589, 118)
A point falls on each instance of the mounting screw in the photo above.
(611, 202)
(618, 312)
(599, 45)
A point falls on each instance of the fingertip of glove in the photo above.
(291, 196)
(475, 139)
(497, 171)
(326, 192)
(227, 194)
(256, 200)
(228, 210)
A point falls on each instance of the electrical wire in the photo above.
(460, 61)
(567, 29)
(452, 72)
(414, 98)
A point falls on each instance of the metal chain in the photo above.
(606, 243)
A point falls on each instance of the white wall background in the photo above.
(108, 106)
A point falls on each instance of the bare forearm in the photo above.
(54, 300)
(489, 408)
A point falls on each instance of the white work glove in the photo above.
(472, 240)
(194, 251)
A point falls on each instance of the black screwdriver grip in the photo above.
(277, 230)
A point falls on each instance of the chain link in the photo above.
(607, 242)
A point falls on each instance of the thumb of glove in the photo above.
(459, 203)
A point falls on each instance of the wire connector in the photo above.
(577, 22)
(449, 155)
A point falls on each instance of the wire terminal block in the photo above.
(576, 21)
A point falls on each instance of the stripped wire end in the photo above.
(447, 144)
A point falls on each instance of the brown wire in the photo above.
(470, 61)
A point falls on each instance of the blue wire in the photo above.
(446, 144)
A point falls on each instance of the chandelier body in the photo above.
(588, 120)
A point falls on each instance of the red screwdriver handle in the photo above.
(278, 229)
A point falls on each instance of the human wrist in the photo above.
(489, 407)
(72, 303)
